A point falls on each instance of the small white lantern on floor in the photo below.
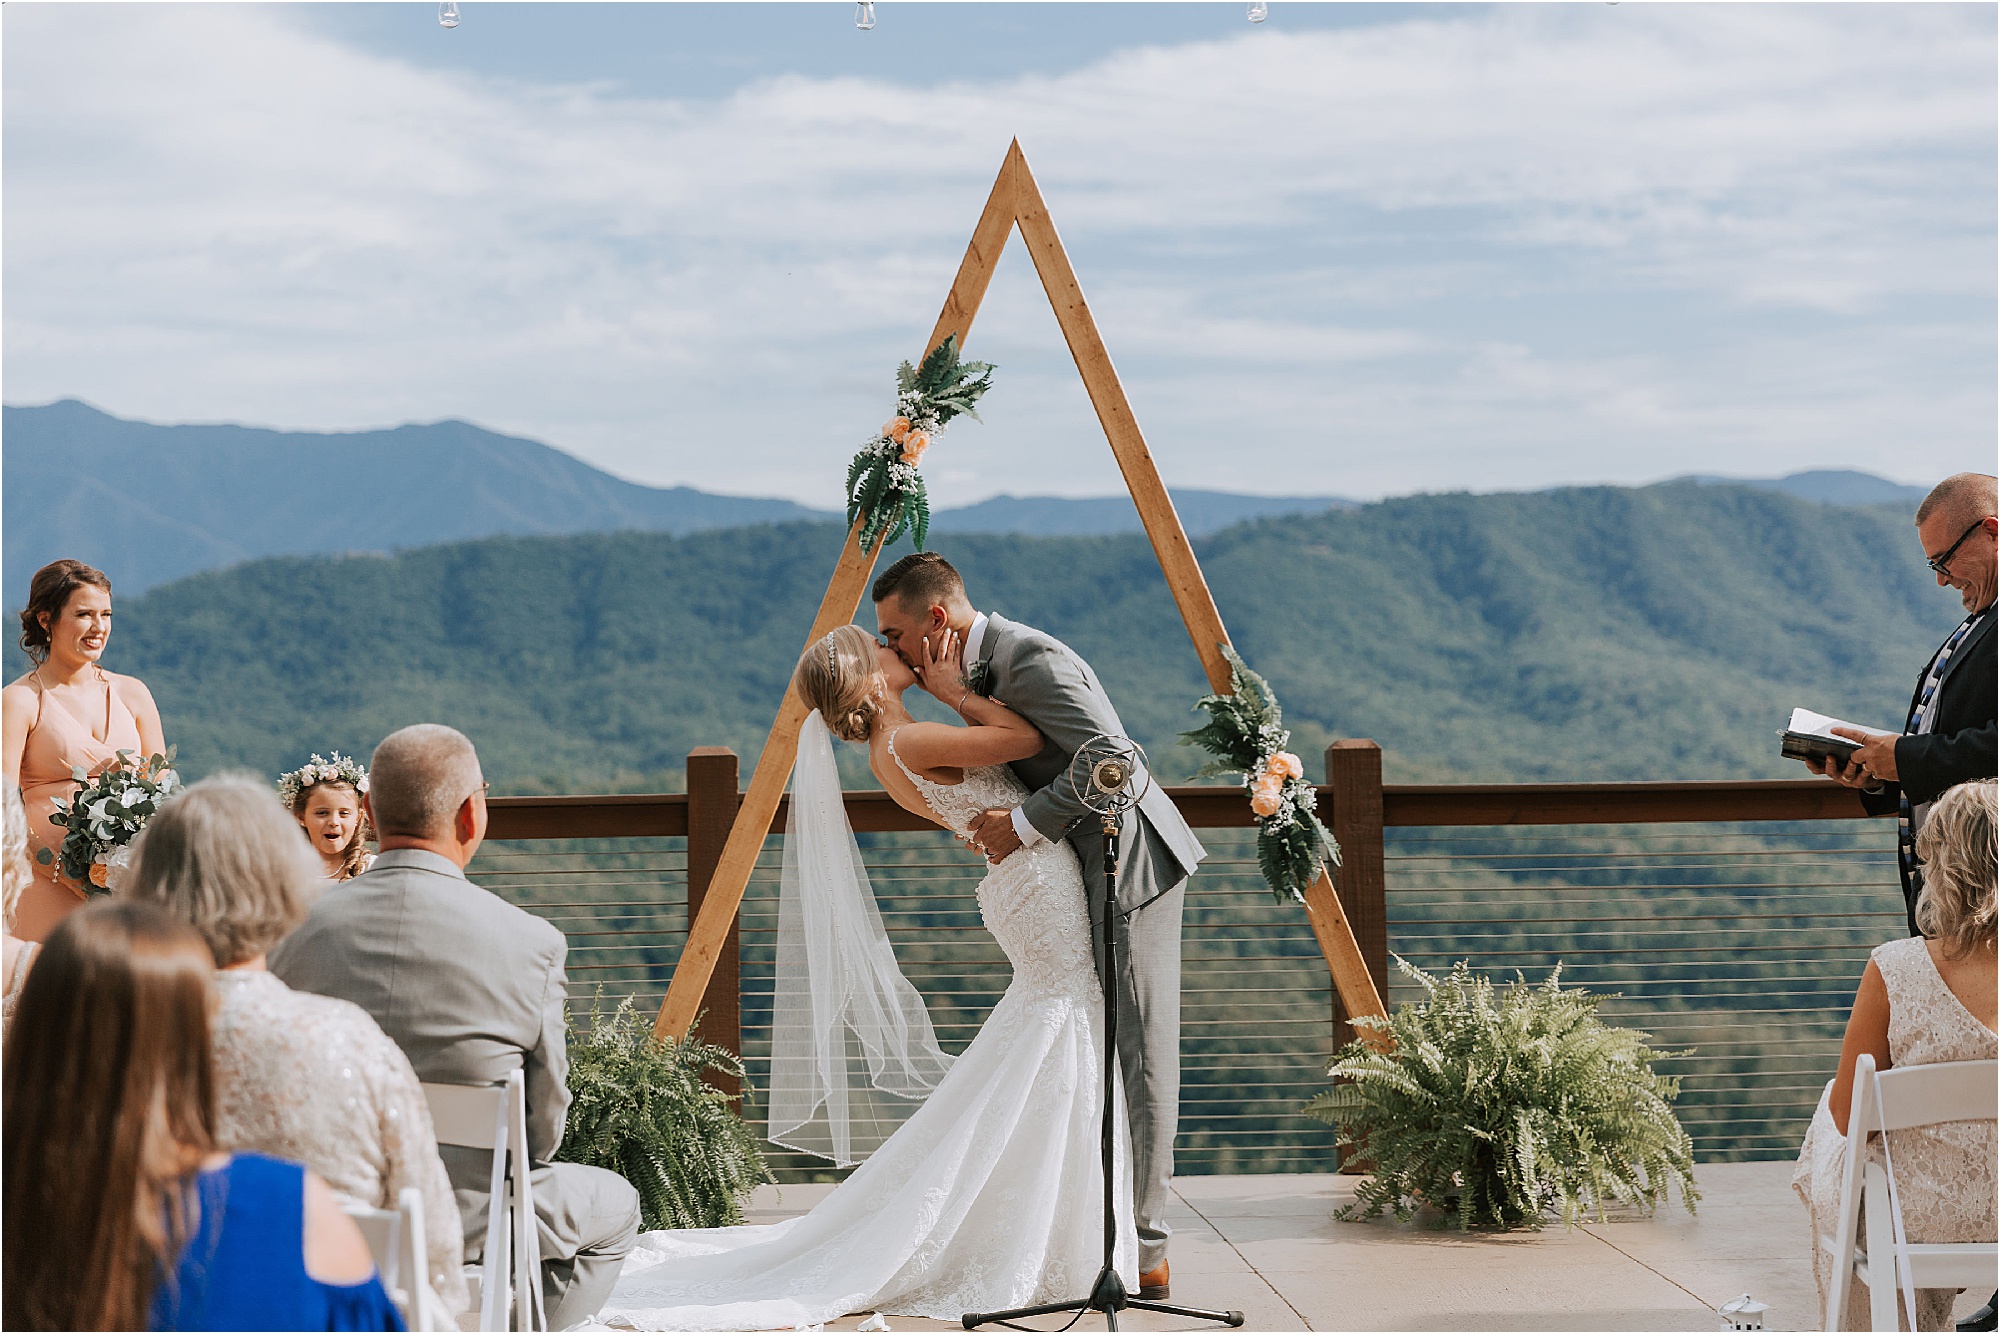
(1744, 1312)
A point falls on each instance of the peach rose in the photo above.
(100, 874)
(1265, 800)
(897, 428)
(914, 447)
(1284, 764)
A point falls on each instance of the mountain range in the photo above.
(149, 503)
(1579, 633)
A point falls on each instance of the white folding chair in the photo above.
(1901, 1099)
(396, 1238)
(495, 1116)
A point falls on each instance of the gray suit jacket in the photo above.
(1046, 682)
(469, 986)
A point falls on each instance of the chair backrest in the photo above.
(1923, 1095)
(382, 1229)
(471, 1116)
(495, 1117)
(397, 1240)
(1901, 1099)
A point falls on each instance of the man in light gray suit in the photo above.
(472, 989)
(918, 599)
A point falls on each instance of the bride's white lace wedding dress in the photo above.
(988, 1197)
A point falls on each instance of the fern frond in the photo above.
(1502, 1105)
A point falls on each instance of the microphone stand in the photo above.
(1107, 1294)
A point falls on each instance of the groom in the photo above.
(916, 600)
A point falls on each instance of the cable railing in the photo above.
(1739, 939)
(1740, 943)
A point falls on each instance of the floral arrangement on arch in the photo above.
(339, 769)
(106, 814)
(1245, 732)
(883, 485)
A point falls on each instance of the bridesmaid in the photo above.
(67, 712)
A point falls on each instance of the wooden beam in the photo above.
(1170, 542)
(1619, 803)
(1353, 808)
(1214, 806)
(1343, 957)
(708, 934)
(1121, 428)
(712, 802)
(649, 815)
(1015, 201)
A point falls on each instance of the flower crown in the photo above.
(340, 769)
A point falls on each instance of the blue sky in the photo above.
(1358, 249)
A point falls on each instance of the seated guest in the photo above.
(325, 798)
(15, 873)
(472, 988)
(296, 1075)
(119, 1212)
(1923, 1000)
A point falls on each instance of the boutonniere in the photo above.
(977, 675)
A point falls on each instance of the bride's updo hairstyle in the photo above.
(838, 676)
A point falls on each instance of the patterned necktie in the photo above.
(1919, 722)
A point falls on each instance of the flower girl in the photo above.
(325, 798)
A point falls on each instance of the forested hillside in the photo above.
(1581, 633)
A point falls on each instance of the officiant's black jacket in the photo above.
(1960, 745)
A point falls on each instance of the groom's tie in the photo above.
(1918, 723)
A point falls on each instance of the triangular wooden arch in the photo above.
(1016, 201)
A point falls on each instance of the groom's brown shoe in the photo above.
(1153, 1284)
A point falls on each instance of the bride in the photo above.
(981, 1187)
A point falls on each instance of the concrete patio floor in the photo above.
(1268, 1246)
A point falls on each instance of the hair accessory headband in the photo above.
(832, 653)
(341, 769)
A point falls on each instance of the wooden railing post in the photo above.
(1354, 778)
(712, 801)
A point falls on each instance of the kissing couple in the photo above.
(979, 1185)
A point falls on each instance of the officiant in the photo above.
(1948, 732)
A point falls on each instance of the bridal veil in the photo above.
(853, 1052)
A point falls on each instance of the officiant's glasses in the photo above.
(1939, 563)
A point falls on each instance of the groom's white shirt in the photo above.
(974, 639)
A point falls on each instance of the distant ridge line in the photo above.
(155, 502)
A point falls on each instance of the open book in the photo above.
(1809, 736)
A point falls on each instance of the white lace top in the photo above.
(1031, 901)
(315, 1080)
(1944, 1173)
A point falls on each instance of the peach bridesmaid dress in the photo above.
(58, 741)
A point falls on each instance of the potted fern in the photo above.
(1498, 1105)
(641, 1108)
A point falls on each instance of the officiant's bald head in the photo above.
(918, 598)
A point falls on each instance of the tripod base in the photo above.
(1108, 1296)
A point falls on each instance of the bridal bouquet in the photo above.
(1245, 732)
(106, 814)
(883, 484)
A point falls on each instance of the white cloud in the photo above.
(1538, 244)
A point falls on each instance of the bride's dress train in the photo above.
(988, 1197)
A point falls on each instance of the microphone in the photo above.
(1109, 775)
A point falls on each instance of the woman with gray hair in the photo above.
(1923, 1000)
(15, 873)
(297, 1076)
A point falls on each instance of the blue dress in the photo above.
(245, 1267)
